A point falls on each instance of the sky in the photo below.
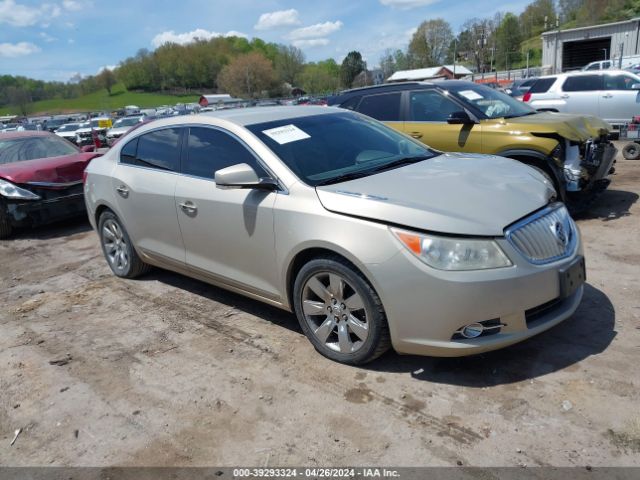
(58, 39)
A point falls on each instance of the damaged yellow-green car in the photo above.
(573, 151)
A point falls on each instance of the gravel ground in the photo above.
(166, 370)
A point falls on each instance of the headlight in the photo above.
(445, 253)
(9, 190)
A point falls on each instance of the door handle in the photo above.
(189, 207)
(608, 95)
(416, 134)
(564, 96)
(123, 191)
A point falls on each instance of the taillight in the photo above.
(527, 97)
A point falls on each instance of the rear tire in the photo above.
(118, 249)
(6, 229)
(631, 151)
(340, 312)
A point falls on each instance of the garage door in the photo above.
(576, 55)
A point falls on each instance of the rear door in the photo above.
(145, 181)
(581, 94)
(619, 102)
(228, 234)
(428, 111)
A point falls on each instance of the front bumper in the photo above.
(55, 205)
(425, 307)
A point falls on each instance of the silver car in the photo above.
(613, 95)
(370, 237)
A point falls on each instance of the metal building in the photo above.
(573, 48)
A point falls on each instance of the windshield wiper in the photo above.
(364, 173)
(399, 163)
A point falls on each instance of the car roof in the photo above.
(251, 115)
(26, 133)
(396, 86)
(581, 73)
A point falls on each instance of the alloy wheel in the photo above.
(115, 245)
(335, 312)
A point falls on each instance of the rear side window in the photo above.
(210, 150)
(385, 107)
(351, 103)
(158, 149)
(542, 85)
(582, 83)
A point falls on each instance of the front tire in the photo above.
(118, 249)
(631, 151)
(339, 311)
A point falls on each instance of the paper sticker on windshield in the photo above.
(286, 134)
(471, 95)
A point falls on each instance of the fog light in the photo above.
(472, 331)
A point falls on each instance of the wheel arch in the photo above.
(310, 252)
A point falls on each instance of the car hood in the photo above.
(118, 130)
(578, 128)
(53, 170)
(463, 194)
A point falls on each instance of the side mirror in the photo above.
(459, 118)
(635, 86)
(242, 176)
(88, 148)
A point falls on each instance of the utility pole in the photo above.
(555, 49)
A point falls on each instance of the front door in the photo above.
(228, 234)
(619, 102)
(144, 181)
(427, 121)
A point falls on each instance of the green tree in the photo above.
(430, 43)
(289, 64)
(351, 66)
(106, 79)
(321, 77)
(508, 38)
(247, 76)
(532, 19)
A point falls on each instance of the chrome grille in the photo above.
(546, 236)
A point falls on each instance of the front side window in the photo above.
(430, 106)
(490, 102)
(582, 83)
(384, 106)
(620, 82)
(210, 150)
(158, 149)
(335, 147)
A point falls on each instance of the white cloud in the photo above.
(19, 15)
(12, 50)
(312, 42)
(407, 4)
(281, 18)
(47, 38)
(73, 5)
(106, 67)
(189, 37)
(315, 31)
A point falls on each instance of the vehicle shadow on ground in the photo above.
(55, 230)
(219, 295)
(588, 332)
(611, 205)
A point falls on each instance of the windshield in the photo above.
(329, 148)
(492, 103)
(30, 148)
(126, 122)
(69, 127)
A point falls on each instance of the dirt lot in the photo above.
(170, 371)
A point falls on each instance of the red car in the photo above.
(40, 179)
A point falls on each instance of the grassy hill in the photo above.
(102, 101)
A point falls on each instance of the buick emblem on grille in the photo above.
(562, 236)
